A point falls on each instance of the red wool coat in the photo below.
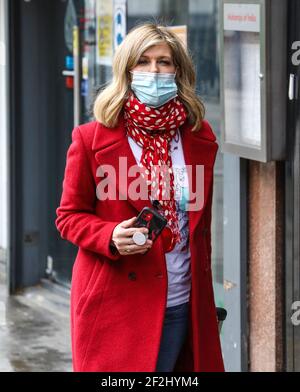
(118, 302)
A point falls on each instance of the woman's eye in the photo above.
(164, 62)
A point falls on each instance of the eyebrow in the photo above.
(160, 57)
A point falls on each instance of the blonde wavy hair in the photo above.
(109, 103)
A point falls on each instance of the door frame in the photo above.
(14, 177)
(292, 204)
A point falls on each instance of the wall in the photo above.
(3, 138)
(266, 225)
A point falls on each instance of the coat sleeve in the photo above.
(76, 220)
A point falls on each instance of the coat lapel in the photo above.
(109, 144)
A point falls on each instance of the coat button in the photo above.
(159, 275)
(132, 276)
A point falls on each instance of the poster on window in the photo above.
(104, 14)
(242, 88)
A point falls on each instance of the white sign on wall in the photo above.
(120, 16)
(242, 17)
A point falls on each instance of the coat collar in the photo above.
(199, 149)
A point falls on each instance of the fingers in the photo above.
(134, 249)
(129, 241)
(131, 231)
(122, 238)
(128, 222)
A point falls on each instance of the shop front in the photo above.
(61, 66)
(292, 197)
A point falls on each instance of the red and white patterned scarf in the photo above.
(153, 129)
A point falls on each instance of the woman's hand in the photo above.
(122, 238)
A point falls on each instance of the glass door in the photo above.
(87, 33)
(292, 206)
(88, 38)
(68, 111)
(77, 77)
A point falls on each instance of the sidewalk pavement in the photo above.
(34, 330)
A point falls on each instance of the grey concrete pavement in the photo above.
(34, 330)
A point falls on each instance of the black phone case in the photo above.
(153, 220)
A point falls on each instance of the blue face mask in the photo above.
(154, 89)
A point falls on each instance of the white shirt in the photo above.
(178, 260)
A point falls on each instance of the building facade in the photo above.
(255, 226)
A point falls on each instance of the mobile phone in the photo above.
(153, 220)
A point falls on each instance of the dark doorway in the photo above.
(41, 122)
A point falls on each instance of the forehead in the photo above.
(159, 50)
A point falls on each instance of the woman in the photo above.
(142, 306)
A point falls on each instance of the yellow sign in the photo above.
(75, 41)
(181, 32)
(85, 68)
(104, 32)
